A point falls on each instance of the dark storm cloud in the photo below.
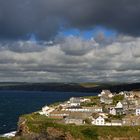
(44, 18)
(117, 61)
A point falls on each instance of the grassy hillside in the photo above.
(39, 124)
(5, 138)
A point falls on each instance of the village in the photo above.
(106, 109)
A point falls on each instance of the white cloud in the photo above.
(72, 60)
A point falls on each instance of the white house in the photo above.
(121, 93)
(69, 120)
(137, 110)
(58, 114)
(128, 94)
(46, 110)
(106, 97)
(98, 120)
(112, 111)
(107, 92)
(75, 101)
(119, 108)
(119, 105)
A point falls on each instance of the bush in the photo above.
(117, 98)
(90, 134)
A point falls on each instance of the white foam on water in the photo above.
(9, 135)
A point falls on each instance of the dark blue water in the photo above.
(15, 103)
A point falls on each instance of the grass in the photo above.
(114, 117)
(95, 100)
(117, 98)
(1, 138)
(39, 124)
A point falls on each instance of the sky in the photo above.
(70, 41)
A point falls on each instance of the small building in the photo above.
(129, 104)
(74, 109)
(128, 94)
(106, 97)
(59, 114)
(112, 111)
(125, 104)
(77, 118)
(79, 115)
(138, 111)
(119, 105)
(83, 109)
(119, 109)
(132, 106)
(75, 101)
(132, 100)
(46, 110)
(116, 122)
(98, 120)
(121, 93)
(106, 92)
(77, 121)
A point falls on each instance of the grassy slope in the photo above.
(1, 138)
(39, 124)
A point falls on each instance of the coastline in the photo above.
(59, 120)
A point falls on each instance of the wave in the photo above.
(9, 135)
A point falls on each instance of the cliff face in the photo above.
(51, 134)
(35, 128)
(23, 132)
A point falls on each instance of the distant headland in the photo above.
(69, 87)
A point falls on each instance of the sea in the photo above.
(16, 103)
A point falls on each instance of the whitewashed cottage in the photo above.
(98, 120)
(74, 101)
(119, 109)
(46, 110)
(112, 111)
(106, 97)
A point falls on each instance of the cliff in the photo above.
(36, 127)
(40, 129)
